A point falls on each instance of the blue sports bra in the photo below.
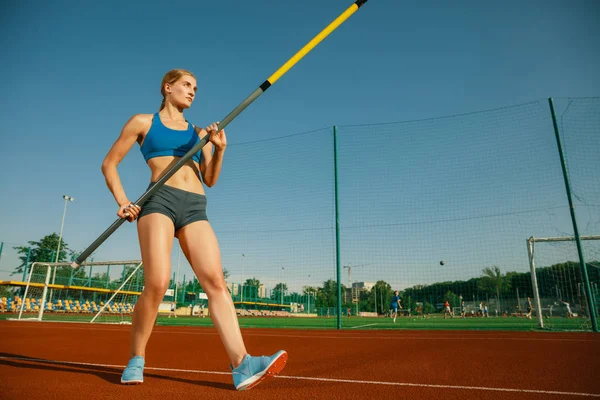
(163, 141)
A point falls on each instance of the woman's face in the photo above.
(182, 92)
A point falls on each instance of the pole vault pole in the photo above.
(224, 122)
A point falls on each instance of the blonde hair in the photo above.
(171, 77)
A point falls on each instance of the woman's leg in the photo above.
(155, 233)
(200, 246)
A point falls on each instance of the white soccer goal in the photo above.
(102, 292)
(559, 289)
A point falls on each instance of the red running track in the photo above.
(73, 361)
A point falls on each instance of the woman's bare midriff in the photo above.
(186, 178)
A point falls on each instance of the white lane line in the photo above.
(361, 326)
(442, 386)
(308, 378)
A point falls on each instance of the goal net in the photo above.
(561, 300)
(103, 292)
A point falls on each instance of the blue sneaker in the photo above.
(133, 374)
(254, 370)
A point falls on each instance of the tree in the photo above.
(327, 295)
(453, 299)
(309, 290)
(252, 282)
(310, 293)
(250, 288)
(409, 304)
(190, 285)
(493, 281)
(42, 251)
(381, 295)
(279, 291)
(6, 291)
(428, 308)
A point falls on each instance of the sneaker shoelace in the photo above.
(138, 367)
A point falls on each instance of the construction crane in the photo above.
(349, 267)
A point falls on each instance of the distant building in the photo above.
(358, 287)
(234, 288)
(262, 292)
(363, 286)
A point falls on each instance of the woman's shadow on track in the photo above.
(110, 374)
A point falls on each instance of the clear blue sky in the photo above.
(74, 72)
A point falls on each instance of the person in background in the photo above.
(529, 308)
(396, 303)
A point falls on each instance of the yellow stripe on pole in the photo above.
(310, 45)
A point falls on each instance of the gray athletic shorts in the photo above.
(181, 206)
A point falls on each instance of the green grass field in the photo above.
(407, 323)
(402, 323)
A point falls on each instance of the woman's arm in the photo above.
(131, 132)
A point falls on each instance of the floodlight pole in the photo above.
(62, 225)
(281, 285)
(242, 286)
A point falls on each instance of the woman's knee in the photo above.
(156, 290)
(214, 285)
